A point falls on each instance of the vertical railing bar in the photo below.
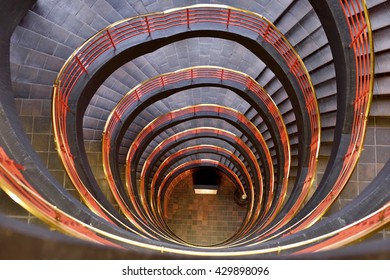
(188, 18)
(111, 40)
(81, 64)
(228, 18)
(162, 81)
(147, 25)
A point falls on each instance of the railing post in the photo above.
(136, 94)
(228, 18)
(295, 64)
(147, 25)
(265, 35)
(81, 64)
(64, 103)
(111, 40)
(188, 18)
(162, 81)
(117, 117)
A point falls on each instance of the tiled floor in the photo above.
(204, 219)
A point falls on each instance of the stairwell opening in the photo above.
(204, 219)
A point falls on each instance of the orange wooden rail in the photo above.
(204, 148)
(78, 64)
(144, 89)
(13, 183)
(111, 37)
(357, 18)
(223, 111)
(18, 188)
(196, 131)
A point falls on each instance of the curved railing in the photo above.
(361, 43)
(19, 189)
(60, 111)
(167, 118)
(222, 112)
(190, 165)
(203, 132)
(111, 38)
(169, 190)
(192, 74)
(210, 149)
(268, 164)
(352, 232)
(357, 17)
(13, 182)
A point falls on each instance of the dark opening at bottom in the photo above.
(206, 180)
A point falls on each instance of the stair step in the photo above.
(379, 16)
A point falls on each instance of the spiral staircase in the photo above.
(108, 106)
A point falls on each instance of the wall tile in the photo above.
(204, 219)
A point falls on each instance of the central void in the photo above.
(204, 219)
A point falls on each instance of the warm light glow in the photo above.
(206, 189)
(15, 198)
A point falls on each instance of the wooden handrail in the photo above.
(356, 15)
(188, 16)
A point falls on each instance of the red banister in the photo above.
(18, 188)
(361, 43)
(111, 40)
(145, 25)
(193, 109)
(226, 153)
(190, 74)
